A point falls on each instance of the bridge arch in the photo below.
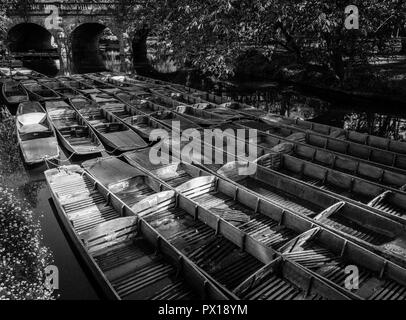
(87, 54)
(35, 46)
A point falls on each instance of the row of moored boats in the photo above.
(319, 202)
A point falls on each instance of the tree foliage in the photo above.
(211, 34)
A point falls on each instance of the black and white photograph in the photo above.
(203, 154)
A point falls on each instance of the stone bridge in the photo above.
(70, 31)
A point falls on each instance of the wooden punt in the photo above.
(123, 253)
(210, 97)
(365, 169)
(142, 84)
(23, 73)
(173, 119)
(377, 233)
(73, 131)
(283, 280)
(388, 202)
(138, 86)
(221, 101)
(140, 102)
(39, 92)
(14, 93)
(257, 225)
(184, 104)
(197, 99)
(135, 118)
(102, 98)
(201, 117)
(362, 151)
(6, 72)
(139, 81)
(19, 77)
(102, 86)
(347, 135)
(30, 73)
(307, 250)
(363, 226)
(61, 89)
(178, 98)
(35, 134)
(113, 84)
(197, 239)
(134, 97)
(129, 184)
(78, 86)
(115, 134)
(382, 199)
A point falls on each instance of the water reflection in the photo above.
(49, 67)
(362, 116)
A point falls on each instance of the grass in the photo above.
(23, 258)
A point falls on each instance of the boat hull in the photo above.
(38, 150)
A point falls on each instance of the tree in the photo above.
(211, 34)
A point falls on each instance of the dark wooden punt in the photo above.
(184, 104)
(129, 184)
(13, 92)
(143, 107)
(142, 123)
(362, 168)
(218, 254)
(112, 84)
(373, 176)
(374, 187)
(78, 86)
(355, 149)
(174, 120)
(135, 118)
(382, 199)
(377, 233)
(283, 280)
(138, 86)
(347, 135)
(102, 86)
(21, 74)
(373, 231)
(39, 92)
(201, 117)
(307, 251)
(103, 98)
(215, 104)
(73, 131)
(112, 132)
(142, 101)
(386, 201)
(133, 98)
(35, 134)
(249, 218)
(133, 80)
(19, 77)
(60, 88)
(127, 258)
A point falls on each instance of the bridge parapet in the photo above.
(74, 8)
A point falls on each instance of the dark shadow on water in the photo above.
(48, 67)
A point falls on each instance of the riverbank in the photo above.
(24, 257)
